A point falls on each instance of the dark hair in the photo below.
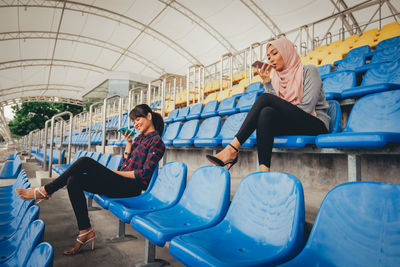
(142, 110)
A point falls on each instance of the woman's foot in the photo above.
(264, 168)
(228, 156)
(38, 193)
(85, 237)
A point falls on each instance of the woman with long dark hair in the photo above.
(140, 158)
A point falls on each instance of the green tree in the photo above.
(32, 115)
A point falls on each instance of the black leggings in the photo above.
(272, 116)
(89, 175)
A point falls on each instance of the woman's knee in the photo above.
(265, 99)
(267, 114)
(73, 183)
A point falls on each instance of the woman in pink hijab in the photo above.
(293, 104)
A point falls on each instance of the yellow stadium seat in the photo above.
(215, 85)
(321, 48)
(237, 89)
(351, 39)
(245, 82)
(223, 94)
(329, 59)
(237, 76)
(210, 97)
(256, 78)
(208, 87)
(388, 31)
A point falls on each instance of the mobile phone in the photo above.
(259, 64)
(130, 132)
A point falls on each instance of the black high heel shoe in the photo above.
(220, 163)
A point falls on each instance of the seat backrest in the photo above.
(31, 238)
(209, 128)
(354, 59)
(83, 154)
(189, 129)
(376, 113)
(105, 159)
(383, 73)
(183, 112)
(325, 69)
(269, 208)
(253, 87)
(31, 214)
(386, 55)
(247, 100)
(173, 114)
(76, 156)
(96, 156)
(358, 225)
(335, 113)
(227, 103)
(210, 107)
(172, 131)
(42, 256)
(232, 125)
(196, 109)
(388, 43)
(114, 162)
(89, 154)
(340, 81)
(170, 182)
(207, 193)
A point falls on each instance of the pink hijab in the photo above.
(288, 83)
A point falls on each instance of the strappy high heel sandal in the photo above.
(35, 195)
(220, 163)
(79, 243)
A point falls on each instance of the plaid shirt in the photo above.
(147, 150)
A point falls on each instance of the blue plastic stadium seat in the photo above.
(9, 189)
(12, 156)
(41, 256)
(183, 112)
(172, 116)
(166, 192)
(300, 141)
(335, 84)
(96, 156)
(195, 112)
(324, 69)
(373, 122)
(255, 87)
(386, 55)
(11, 168)
(203, 204)
(356, 225)
(228, 105)
(29, 241)
(13, 236)
(231, 127)
(104, 159)
(171, 133)
(264, 226)
(208, 132)
(114, 162)
(187, 133)
(354, 59)
(388, 43)
(379, 78)
(210, 109)
(104, 201)
(246, 101)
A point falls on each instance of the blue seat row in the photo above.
(11, 167)
(103, 159)
(210, 132)
(20, 229)
(378, 78)
(56, 155)
(264, 224)
(234, 104)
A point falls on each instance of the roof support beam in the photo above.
(393, 10)
(265, 19)
(343, 18)
(355, 23)
(5, 36)
(187, 12)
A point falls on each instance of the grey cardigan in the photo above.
(313, 94)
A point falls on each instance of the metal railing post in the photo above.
(103, 141)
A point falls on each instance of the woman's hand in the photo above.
(128, 136)
(265, 72)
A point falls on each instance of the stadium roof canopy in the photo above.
(56, 49)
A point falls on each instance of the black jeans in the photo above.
(89, 175)
(272, 116)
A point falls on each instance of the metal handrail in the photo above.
(52, 137)
(90, 124)
(103, 141)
